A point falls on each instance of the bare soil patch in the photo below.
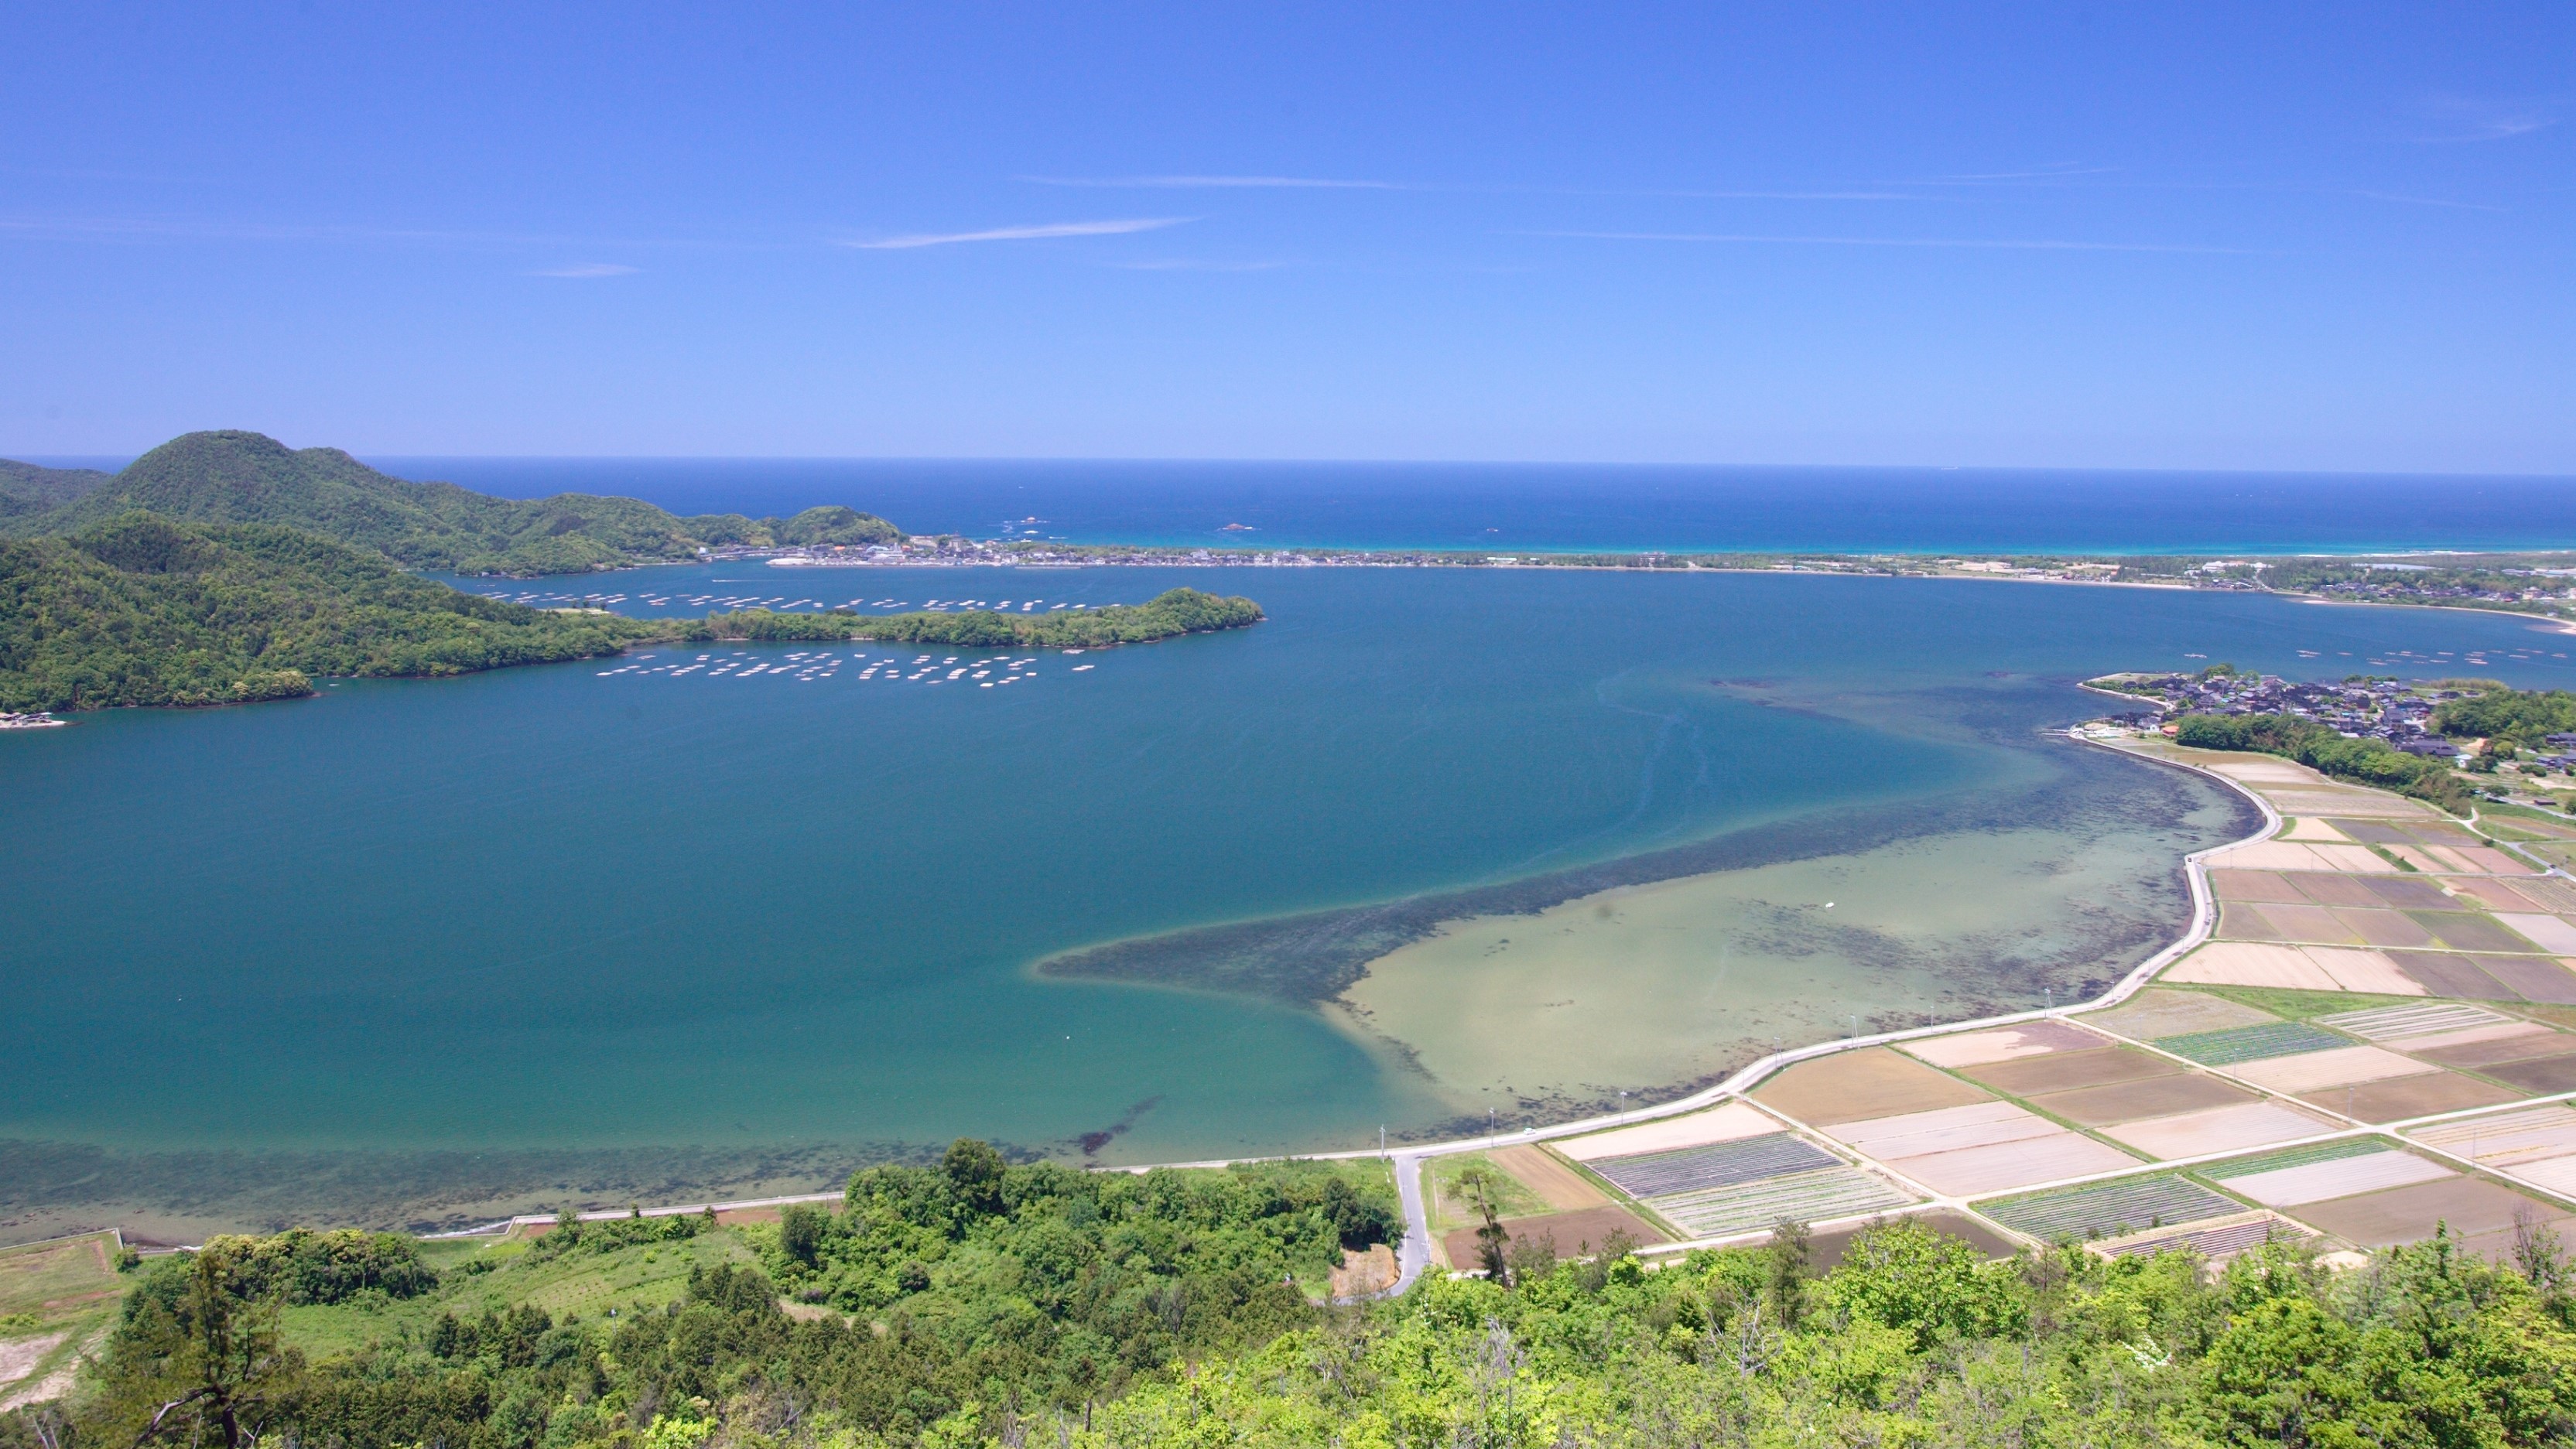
(2074, 1069)
(1873, 1082)
(2407, 1214)
(2385, 928)
(2254, 885)
(2238, 921)
(1571, 1232)
(2496, 894)
(2442, 974)
(2479, 1055)
(2136, 1101)
(2540, 979)
(2464, 932)
(2408, 894)
(1556, 1184)
(2340, 890)
(2157, 1012)
(2541, 1074)
(2312, 923)
(2410, 1097)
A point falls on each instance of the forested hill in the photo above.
(241, 477)
(26, 488)
(142, 610)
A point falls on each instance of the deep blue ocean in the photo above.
(1568, 507)
(1578, 507)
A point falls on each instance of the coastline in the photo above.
(1408, 1158)
(1648, 977)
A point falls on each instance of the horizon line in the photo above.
(120, 459)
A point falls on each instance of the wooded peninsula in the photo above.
(222, 568)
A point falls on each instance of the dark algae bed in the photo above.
(1315, 956)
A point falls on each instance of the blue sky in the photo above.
(2231, 235)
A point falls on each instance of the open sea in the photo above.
(657, 927)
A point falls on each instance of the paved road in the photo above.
(1413, 1256)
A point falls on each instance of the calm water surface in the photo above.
(546, 908)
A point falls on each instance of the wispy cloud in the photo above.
(1780, 195)
(1024, 233)
(588, 270)
(2426, 201)
(2471, 118)
(1192, 264)
(1970, 243)
(2066, 172)
(201, 229)
(1190, 183)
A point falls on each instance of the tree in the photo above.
(1484, 1188)
(974, 1170)
(801, 1226)
(208, 1368)
(1786, 1257)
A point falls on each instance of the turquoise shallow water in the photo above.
(547, 910)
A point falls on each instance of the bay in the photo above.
(606, 930)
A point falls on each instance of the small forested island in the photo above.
(1170, 613)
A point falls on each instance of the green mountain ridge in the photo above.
(231, 477)
(141, 610)
(26, 488)
(145, 610)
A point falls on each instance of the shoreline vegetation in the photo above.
(980, 1304)
(141, 610)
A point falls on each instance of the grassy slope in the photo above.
(241, 477)
(587, 1284)
(140, 610)
(66, 1290)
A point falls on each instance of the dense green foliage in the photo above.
(141, 610)
(299, 1267)
(26, 488)
(2369, 761)
(1166, 615)
(572, 1237)
(239, 477)
(1031, 1328)
(2519, 717)
(974, 1283)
